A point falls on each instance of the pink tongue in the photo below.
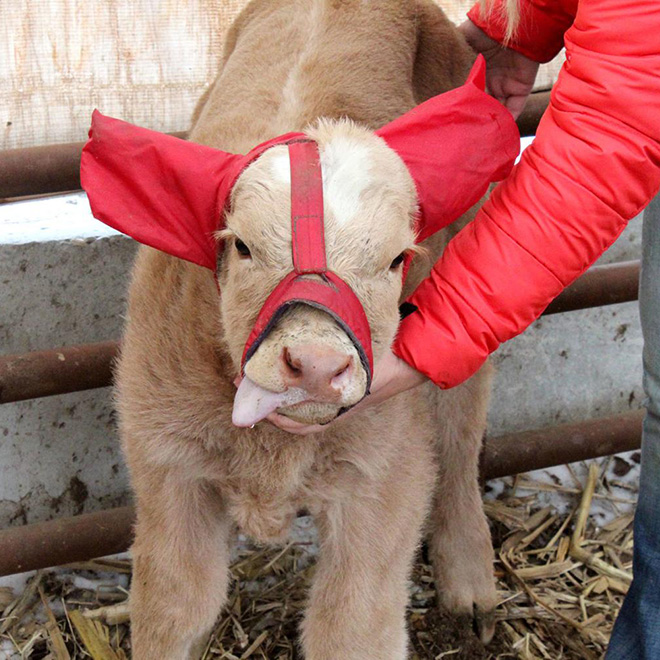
(253, 403)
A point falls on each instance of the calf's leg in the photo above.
(460, 544)
(181, 559)
(358, 600)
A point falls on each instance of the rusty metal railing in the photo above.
(55, 168)
(76, 368)
(46, 373)
(58, 371)
(78, 538)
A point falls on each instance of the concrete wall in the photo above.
(60, 456)
(573, 366)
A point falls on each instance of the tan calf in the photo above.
(371, 480)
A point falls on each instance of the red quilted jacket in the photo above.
(594, 164)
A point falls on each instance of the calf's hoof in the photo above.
(484, 624)
(477, 607)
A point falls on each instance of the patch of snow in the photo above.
(57, 218)
(8, 651)
(560, 487)
(16, 582)
(81, 582)
(524, 143)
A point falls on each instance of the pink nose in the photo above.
(319, 370)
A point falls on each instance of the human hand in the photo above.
(391, 376)
(510, 75)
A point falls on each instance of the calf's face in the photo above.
(369, 208)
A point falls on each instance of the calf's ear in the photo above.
(454, 145)
(162, 191)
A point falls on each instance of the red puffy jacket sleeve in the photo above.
(595, 164)
(541, 27)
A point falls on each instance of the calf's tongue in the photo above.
(253, 403)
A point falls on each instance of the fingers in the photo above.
(514, 104)
(291, 426)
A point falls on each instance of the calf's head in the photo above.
(309, 363)
(312, 356)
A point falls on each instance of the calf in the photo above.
(374, 481)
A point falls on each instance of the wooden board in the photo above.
(146, 61)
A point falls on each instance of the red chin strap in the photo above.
(310, 282)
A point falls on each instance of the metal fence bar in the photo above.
(65, 540)
(55, 168)
(40, 170)
(44, 373)
(529, 118)
(75, 368)
(50, 169)
(96, 534)
(600, 285)
(558, 445)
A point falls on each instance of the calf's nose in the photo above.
(319, 370)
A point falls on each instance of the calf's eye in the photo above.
(397, 261)
(242, 249)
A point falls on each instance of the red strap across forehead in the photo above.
(307, 229)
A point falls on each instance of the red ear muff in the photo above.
(164, 192)
(158, 189)
(454, 145)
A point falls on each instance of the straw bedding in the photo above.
(561, 578)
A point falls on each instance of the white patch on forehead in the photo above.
(281, 166)
(345, 164)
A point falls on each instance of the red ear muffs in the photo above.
(454, 146)
(171, 194)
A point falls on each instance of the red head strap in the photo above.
(307, 230)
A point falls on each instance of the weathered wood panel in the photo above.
(146, 61)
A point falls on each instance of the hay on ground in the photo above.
(561, 581)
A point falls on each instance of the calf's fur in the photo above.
(374, 481)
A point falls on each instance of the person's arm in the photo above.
(595, 164)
